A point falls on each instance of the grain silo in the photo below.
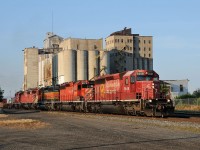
(104, 62)
(150, 63)
(139, 63)
(69, 60)
(48, 70)
(135, 64)
(61, 78)
(93, 63)
(145, 63)
(55, 69)
(40, 70)
(82, 64)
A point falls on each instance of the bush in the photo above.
(185, 96)
(197, 93)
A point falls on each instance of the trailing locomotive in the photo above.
(135, 92)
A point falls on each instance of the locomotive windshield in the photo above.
(146, 78)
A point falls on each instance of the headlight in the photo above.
(150, 101)
(168, 100)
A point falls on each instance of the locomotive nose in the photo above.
(156, 89)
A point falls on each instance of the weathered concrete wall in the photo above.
(30, 68)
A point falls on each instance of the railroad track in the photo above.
(179, 116)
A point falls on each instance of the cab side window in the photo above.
(132, 79)
(126, 81)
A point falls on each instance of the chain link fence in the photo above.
(189, 101)
(187, 104)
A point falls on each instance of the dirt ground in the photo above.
(67, 130)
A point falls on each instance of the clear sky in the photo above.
(174, 25)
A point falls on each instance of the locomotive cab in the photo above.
(141, 84)
(147, 83)
(143, 87)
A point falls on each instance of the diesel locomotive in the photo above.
(136, 92)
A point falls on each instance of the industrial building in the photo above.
(80, 59)
(64, 60)
(47, 60)
(71, 59)
(129, 51)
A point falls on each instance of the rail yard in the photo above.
(72, 130)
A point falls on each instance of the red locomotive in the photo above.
(75, 94)
(133, 92)
(27, 99)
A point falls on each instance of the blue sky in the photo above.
(174, 25)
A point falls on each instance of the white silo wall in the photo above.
(42, 73)
(60, 67)
(82, 64)
(39, 70)
(69, 65)
(93, 67)
(105, 62)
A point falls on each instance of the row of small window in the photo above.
(130, 48)
(144, 49)
(145, 55)
(149, 41)
(119, 40)
(128, 41)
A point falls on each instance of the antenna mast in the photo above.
(52, 21)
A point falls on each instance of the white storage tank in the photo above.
(69, 60)
(60, 68)
(39, 70)
(93, 63)
(104, 62)
(82, 64)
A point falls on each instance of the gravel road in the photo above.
(67, 130)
